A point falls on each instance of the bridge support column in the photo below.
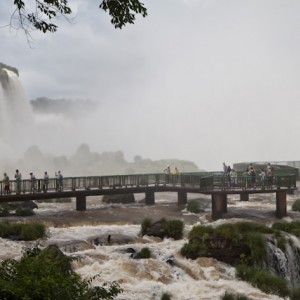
(281, 204)
(149, 198)
(244, 197)
(182, 197)
(219, 205)
(80, 202)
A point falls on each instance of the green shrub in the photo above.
(47, 274)
(193, 250)
(290, 227)
(295, 294)
(146, 223)
(28, 232)
(33, 231)
(230, 296)
(174, 229)
(165, 296)
(263, 280)
(296, 205)
(4, 210)
(145, 252)
(23, 212)
(194, 207)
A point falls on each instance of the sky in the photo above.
(209, 81)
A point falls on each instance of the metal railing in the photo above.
(201, 181)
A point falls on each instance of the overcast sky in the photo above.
(209, 81)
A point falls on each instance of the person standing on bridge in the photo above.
(6, 184)
(46, 181)
(18, 177)
(33, 182)
(60, 181)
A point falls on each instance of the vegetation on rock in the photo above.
(19, 231)
(48, 274)
(163, 228)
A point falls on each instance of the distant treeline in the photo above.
(84, 162)
(61, 106)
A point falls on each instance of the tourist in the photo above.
(167, 172)
(269, 174)
(253, 176)
(46, 181)
(233, 178)
(18, 177)
(59, 181)
(33, 182)
(262, 176)
(224, 169)
(6, 184)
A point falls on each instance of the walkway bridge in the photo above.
(215, 184)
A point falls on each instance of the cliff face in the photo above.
(4, 75)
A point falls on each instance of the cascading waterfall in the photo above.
(285, 263)
(16, 117)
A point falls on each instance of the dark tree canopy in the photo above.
(42, 17)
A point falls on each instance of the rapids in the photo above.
(166, 271)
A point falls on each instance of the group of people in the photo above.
(18, 180)
(249, 175)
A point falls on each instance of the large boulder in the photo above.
(119, 198)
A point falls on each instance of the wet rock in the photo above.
(119, 198)
(74, 246)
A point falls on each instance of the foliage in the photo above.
(165, 296)
(123, 12)
(295, 294)
(174, 229)
(194, 207)
(22, 212)
(145, 252)
(41, 18)
(146, 223)
(26, 232)
(4, 210)
(290, 227)
(263, 280)
(246, 233)
(48, 274)
(296, 205)
(230, 296)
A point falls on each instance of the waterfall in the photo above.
(285, 263)
(16, 117)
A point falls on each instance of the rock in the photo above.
(22, 204)
(119, 198)
(74, 246)
(156, 229)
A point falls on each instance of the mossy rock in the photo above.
(119, 198)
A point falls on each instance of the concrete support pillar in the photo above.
(281, 204)
(244, 197)
(149, 198)
(219, 205)
(182, 197)
(81, 202)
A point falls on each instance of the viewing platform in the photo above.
(212, 183)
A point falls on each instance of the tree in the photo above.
(42, 17)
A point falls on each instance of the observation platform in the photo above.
(215, 184)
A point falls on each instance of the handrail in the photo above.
(202, 181)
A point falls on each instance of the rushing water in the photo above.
(166, 271)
